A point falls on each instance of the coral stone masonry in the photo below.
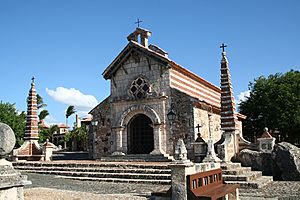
(144, 83)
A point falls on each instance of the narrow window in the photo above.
(199, 182)
(215, 178)
(194, 182)
(211, 179)
(220, 176)
(205, 180)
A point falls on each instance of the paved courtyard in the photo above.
(49, 187)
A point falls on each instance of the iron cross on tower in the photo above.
(32, 79)
(223, 47)
(138, 22)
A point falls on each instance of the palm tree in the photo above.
(52, 130)
(70, 111)
(43, 114)
(40, 102)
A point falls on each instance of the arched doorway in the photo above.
(140, 135)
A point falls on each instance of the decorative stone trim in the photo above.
(139, 109)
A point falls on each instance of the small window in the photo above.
(205, 180)
(194, 182)
(211, 179)
(199, 182)
(139, 88)
(220, 176)
(215, 177)
(269, 146)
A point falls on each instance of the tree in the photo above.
(17, 121)
(47, 133)
(78, 137)
(43, 114)
(70, 111)
(40, 102)
(274, 102)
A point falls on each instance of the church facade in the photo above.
(146, 86)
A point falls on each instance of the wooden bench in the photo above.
(209, 185)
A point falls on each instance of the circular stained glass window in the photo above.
(139, 88)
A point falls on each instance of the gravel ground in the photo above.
(49, 187)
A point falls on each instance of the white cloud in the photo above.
(84, 113)
(243, 96)
(50, 120)
(71, 96)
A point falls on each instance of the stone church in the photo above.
(153, 102)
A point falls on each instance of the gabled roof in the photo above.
(96, 107)
(131, 47)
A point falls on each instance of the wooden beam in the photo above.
(124, 69)
(113, 80)
(149, 63)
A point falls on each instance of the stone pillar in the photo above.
(266, 142)
(227, 147)
(118, 131)
(157, 139)
(179, 169)
(12, 182)
(211, 155)
(48, 150)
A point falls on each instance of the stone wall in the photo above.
(183, 125)
(100, 140)
(138, 66)
(124, 103)
(201, 118)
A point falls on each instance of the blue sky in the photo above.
(68, 44)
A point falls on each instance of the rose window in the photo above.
(139, 88)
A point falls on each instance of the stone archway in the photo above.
(122, 128)
(140, 138)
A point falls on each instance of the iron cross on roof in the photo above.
(223, 47)
(32, 79)
(198, 127)
(138, 22)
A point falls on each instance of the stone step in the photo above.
(238, 171)
(91, 169)
(230, 166)
(137, 157)
(122, 165)
(253, 175)
(76, 155)
(254, 184)
(117, 180)
(105, 175)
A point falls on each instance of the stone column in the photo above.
(157, 139)
(12, 182)
(48, 150)
(210, 155)
(179, 169)
(228, 147)
(118, 131)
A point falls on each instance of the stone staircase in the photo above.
(235, 173)
(151, 173)
(137, 158)
(136, 172)
(67, 155)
